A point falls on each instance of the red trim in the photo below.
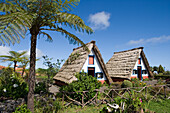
(102, 81)
(133, 77)
(145, 77)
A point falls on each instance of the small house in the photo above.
(129, 64)
(90, 62)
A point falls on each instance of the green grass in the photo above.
(43, 77)
(162, 106)
(79, 109)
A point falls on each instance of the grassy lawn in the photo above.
(162, 106)
(86, 109)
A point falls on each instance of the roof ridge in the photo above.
(129, 50)
(94, 42)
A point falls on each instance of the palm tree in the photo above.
(14, 56)
(38, 16)
(25, 61)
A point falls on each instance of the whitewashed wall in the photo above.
(96, 65)
(143, 68)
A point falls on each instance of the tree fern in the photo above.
(19, 16)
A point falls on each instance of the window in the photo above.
(139, 60)
(134, 72)
(91, 59)
(99, 75)
(144, 72)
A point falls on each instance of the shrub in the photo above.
(116, 85)
(40, 87)
(126, 83)
(84, 83)
(146, 79)
(13, 86)
(45, 104)
(22, 109)
(137, 83)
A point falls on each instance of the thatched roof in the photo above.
(122, 63)
(76, 61)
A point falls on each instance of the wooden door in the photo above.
(91, 71)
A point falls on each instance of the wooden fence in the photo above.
(108, 95)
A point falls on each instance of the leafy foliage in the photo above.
(52, 68)
(12, 85)
(126, 83)
(40, 87)
(13, 57)
(20, 16)
(137, 83)
(84, 83)
(161, 69)
(38, 16)
(22, 109)
(46, 104)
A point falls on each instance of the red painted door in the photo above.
(139, 73)
(91, 71)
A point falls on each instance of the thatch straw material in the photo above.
(122, 63)
(76, 61)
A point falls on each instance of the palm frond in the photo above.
(71, 37)
(49, 38)
(73, 21)
(13, 26)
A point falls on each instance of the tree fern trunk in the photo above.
(15, 64)
(31, 80)
(23, 70)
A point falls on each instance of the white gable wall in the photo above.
(143, 68)
(97, 66)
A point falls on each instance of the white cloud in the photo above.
(99, 20)
(4, 50)
(150, 40)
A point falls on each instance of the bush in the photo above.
(116, 85)
(84, 83)
(126, 83)
(164, 77)
(22, 109)
(40, 87)
(45, 104)
(137, 83)
(13, 86)
(146, 79)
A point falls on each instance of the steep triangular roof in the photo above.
(76, 61)
(122, 63)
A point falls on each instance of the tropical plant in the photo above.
(22, 109)
(160, 69)
(14, 57)
(38, 16)
(126, 83)
(137, 83)
(52, 68)
(46, 104)
(25, 61)
(40, 87)
(13, 86)
(85, 82)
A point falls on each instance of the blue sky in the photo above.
(118, 25)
